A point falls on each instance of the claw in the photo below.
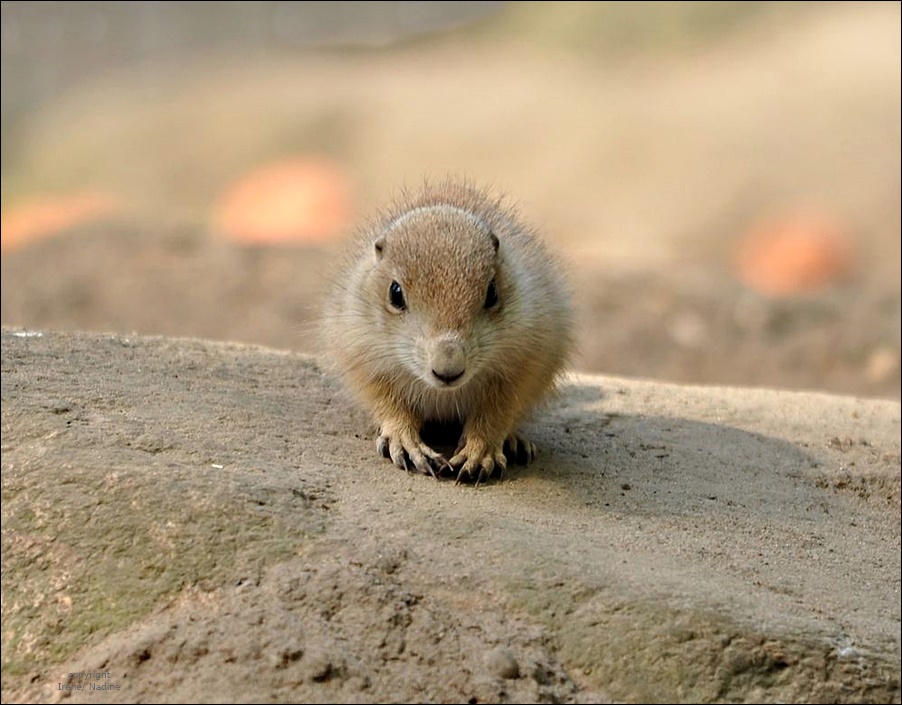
(428, 462)
(406, 450)
(444, 466)
(438, 466)
(481, 470)
(398, 456)
(423, 463)
(519, 449)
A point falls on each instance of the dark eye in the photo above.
(396, 296)
(491, 296)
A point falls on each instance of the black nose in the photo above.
(449, 378)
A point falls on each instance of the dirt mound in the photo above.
(185, 520)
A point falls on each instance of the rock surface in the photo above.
(195, 521)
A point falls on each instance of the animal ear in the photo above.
(495, 242)
(379, 245)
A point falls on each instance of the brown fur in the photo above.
(439, 245)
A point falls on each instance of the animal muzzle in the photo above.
(447, 360)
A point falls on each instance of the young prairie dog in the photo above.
(449, 309)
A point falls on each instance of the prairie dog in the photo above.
(449, 309)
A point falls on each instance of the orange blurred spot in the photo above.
(299, 200)
(793, 255)
(43, 216)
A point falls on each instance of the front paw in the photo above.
(404, 447)
(478, 458)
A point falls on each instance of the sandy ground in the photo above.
(196, 521)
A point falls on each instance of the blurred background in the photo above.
(723, 178)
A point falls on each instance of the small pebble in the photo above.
(319, 668)
(501, 663)
(286, 654)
